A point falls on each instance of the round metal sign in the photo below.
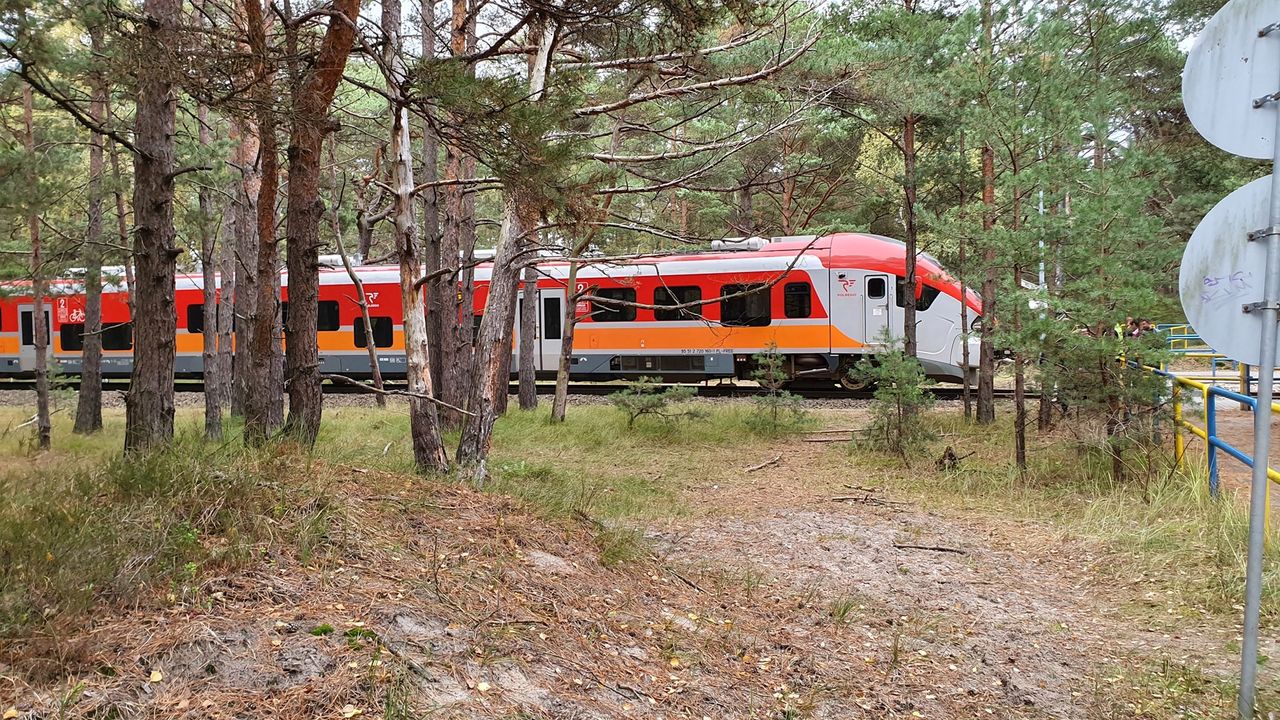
(1227, 69)
(1222, 271)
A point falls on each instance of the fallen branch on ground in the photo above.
(765, 464)
(935, 548)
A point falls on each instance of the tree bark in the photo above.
(457, 248)
(302, 221)
(362, 300)
(424, 427)
(122, 219)
(909, 220)
(539, 66)
(966, 391)
(1019, 359)
(245, 259)
(149, 402)
(560, 401)
(264, 306)
(529, 340)
(89, 399)
(493, 342)
(987, 352)
(208, 271)
(40, 330)
(433, 260)
(226, 295)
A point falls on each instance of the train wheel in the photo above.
(853, 384)
(848, 380)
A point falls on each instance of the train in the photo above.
(821, 303)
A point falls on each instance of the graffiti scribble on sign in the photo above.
(1219, 289)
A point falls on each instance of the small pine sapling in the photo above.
(898, 408)
(647, 397)
(776, 410)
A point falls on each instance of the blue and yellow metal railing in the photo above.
(1209, 433)
(1182, 341)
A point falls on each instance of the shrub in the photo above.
(776, 410)
(647, 397)
(898, 423)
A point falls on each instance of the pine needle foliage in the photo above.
(776, 410)
(898, 423)
(647, 396)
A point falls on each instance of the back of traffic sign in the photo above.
(1219, 85)
(1222, 271)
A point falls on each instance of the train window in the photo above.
(677, 296)
(72, 336)
(876, 287)
(604, 311)
(195, 318)
(796, 300)
(24, 321)
(927, 296)
(118, 336)
(552, 316)
(28, 330)
(752, 308)
(382, 334)
(475, 325)
(327, 315)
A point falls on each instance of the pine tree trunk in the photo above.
(560, 401)
(987, 351)
(539, 67)
(362, 300)
(909, 219)
(263, 307)
(208, 268)
(302, 222)
(529, 340)
(457, 249)
(40, 329)
(122, 222)
(433, 260)
(424, 427)
(966, 391)
(493, 342)
(89, 399)
(226, 295)
(149, 402)
(245, 248)
(1048, 389)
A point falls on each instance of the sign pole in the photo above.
(1270, 311)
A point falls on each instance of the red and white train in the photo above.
(823, 302)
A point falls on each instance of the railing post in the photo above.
(1211, 447)
(1179, 442)
(1244, 384)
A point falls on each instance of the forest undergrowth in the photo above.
(339, 582)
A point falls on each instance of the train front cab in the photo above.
(867, 307)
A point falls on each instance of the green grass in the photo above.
(86, 524)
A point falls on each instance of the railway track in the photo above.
(725, 390)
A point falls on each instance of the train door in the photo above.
(550, 328)
(876, 307)
(27, 343)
